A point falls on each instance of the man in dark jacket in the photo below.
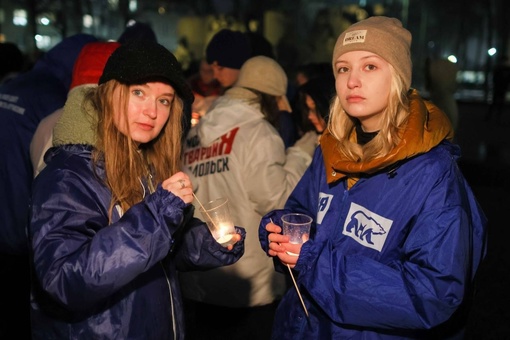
(24, 102)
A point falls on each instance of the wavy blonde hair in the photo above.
(341, 125)
(126, 163)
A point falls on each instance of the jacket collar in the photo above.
(426, 127)
(76, 125)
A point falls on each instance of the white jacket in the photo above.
(234, 152)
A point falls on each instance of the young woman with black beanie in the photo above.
(112, 219)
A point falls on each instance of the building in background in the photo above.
(471, 33)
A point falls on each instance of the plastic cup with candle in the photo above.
(297, 226)
(216, 214)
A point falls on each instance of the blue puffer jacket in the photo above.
(117, 281)
(390, 258)
(24, 102)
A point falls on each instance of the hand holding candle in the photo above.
(297, 227)
(292, 275)
(216, 214)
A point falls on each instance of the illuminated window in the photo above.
(19, 17)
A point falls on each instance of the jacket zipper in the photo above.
(171, 300)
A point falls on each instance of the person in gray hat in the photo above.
(397, 234)
(112, 215)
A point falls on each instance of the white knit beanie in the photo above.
(383, 36)
(263, 74)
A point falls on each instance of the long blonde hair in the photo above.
(125, 163)
(341, 125)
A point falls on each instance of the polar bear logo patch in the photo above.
(366, 227)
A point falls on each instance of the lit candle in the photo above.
(225, 233)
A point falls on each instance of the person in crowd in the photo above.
(111, 218)
(301, 75)
(24, 101)
(13, 61)
(441, 82)
(86, 72)
(203, 83)
(205, 89)
(315, 97)
(235, 152)
(500, 83)
(276, 110)
(397, 235)
(260, 45)
(305, 72)
(226, 52)
(137, 30)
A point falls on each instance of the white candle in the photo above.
(225, 233)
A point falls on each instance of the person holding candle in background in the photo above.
(112, 215)
(235, 152)
(314, 98)
(398, 234)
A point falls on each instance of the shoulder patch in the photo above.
(322, 209)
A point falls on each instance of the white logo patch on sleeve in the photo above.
(322, 209)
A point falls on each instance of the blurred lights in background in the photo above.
(133, 5)
(43, 41)
(88, 21)
(44, 21)
(19, 17)
(309, 39)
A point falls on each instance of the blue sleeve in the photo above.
(79, 257)
(198, 250)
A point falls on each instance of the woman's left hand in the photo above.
(180, 185)
(237, 238)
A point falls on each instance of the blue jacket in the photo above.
(24, 102)
(395, 253)
(119, 281)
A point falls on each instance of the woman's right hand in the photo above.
(279, 245)
(180, 185)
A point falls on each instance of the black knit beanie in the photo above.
(140, 62)
(229, 49)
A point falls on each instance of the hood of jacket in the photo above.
(77, 123)
(426, 127)
(230, 110)
(60, 59)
